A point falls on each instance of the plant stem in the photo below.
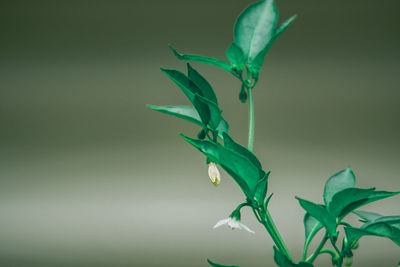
(318, 250)
(273, 232)
(251, 119)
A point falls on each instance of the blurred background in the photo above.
(90, 177)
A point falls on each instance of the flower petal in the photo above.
(244, 227)
(221, 222)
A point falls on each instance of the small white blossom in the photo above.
(214, 174)
(234, 224)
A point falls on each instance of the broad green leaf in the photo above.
(236, 57)
(213, 264)
(358, 200)
(201, 83)
(261, 190)
(281, 28)
(213, 109)
(339, 181)
(239, 167)
(346, 197)
(231, 144)
(311, 228)
(320, 213)
(283, 261)
(188, 113)
(255, 28)
(205, 60)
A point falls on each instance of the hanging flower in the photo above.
(214, 174)
(233, 221)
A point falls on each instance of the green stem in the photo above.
(251, 119)
(273, 232)
(318, 250)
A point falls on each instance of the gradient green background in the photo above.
(90, 177)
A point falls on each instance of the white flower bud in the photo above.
(214, 174)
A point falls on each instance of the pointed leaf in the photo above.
(223, 127)
(201, 83)
(239, 167)
(367, 216)
(231, 144)
(191, 92)
(213, 264)
(213, 109)
(358, 200)
(188, 113)
(261, 190)
(281, 28)
(339, 181)
(205, 60)
(255, 28)
(320, 213)
(373, 229)
(236, 57)
(311, 227)
(346, 197)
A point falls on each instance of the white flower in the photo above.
(214, 174)
(234, 224)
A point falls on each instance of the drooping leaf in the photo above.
(236, 57)
(231, 144)
(239, 167)
(320, 213)
(261, 190)
(339, 181)
(282, 27)
(201, 59)
(200, 82)
(213, 264)
(255, 29)
(188, 113)
(213, 109)
(311, 228)
(283, 261)
(346, 197)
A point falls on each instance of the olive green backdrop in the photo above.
(90, 177)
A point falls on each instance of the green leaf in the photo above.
(283, 261)
(231, 144)
(373, 229)
(255, 28)
(188, 113)
(367, 216)
(320, 213)
(281, 28)
(201, 83)
(236, 57)
(212, 108)
(239, 167)
(350, 199)
(191, 92)
(261, 190)
(213, 264)
(346, 197)
(205, 60)
(311, 228)
(339, 181)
